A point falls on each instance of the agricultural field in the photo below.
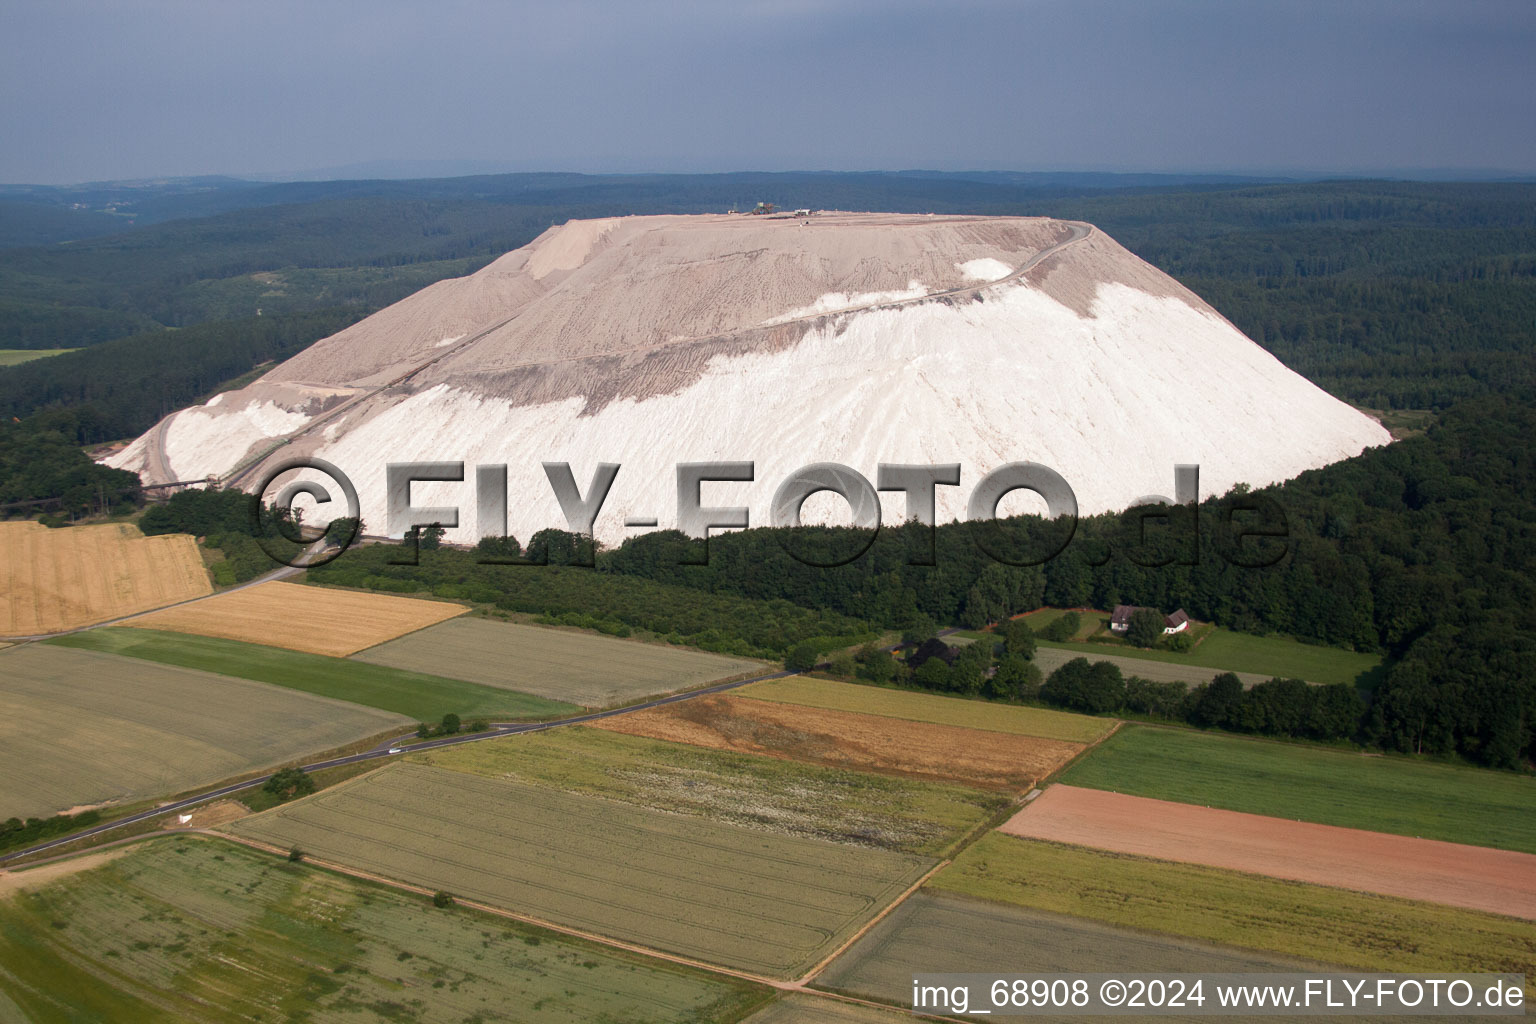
(1409, 797)
(194, 929)
(1475, 877)
(594, 671)
(1052, 657)
(850, 740)
(768, 794)
(940, 932)
(770, 905)
(1293, 919)
(17, 356)
(1224, 650)
(927, 707)
(314, 620)
(803, 1008)
(81, 727)
(424, 698)
(53, 580)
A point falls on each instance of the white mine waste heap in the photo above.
(852, 338)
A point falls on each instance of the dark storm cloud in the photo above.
(102, 89)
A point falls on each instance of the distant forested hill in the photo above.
(1389, 294)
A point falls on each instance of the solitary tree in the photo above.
(442, 900)
(290, 782)
(450, 724)
(1145, 627)
(1019, 639)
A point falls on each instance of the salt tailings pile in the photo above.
(847, 338)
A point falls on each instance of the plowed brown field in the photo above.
(53, 580)
(1498, 881)
(320, 621)
(991, 759)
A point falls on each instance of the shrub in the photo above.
(442, 900)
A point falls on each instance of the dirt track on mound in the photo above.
(1497, 881)
(851, 740)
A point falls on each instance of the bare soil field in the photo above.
(847, 739)
(579, 668)
(1496, 881)
(83, 727)
(772, 905)
(310, 619)
(220, 812)
(52, 580)
(931, 707)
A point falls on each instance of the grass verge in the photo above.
(423, 697)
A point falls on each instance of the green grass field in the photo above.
(558, 664)
(769, 794)
(81, 727)
(1269, 656)
(187, 929)
(16, 356)
(927, 707)
(1333, 787)
(768, 904)
(425, 698)
(1376, 933)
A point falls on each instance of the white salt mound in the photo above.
(857, 339)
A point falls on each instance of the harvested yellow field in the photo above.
(53, 580)
(311, 619)
(931, 707)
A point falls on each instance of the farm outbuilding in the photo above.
(1120, 620)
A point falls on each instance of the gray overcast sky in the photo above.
(98, 89)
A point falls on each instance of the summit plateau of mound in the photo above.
(847, 338)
